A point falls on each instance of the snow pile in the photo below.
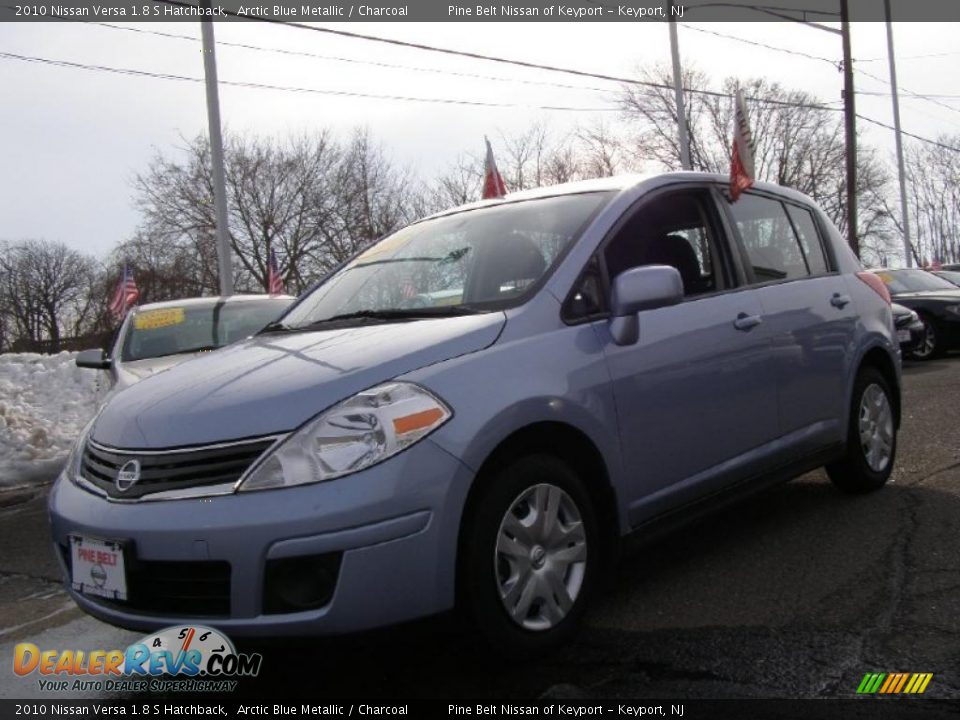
(45, 400)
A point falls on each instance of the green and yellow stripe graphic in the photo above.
(894, 683)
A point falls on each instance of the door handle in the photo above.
(747, 322)
(839, 301)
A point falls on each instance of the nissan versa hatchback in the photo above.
(473, 412)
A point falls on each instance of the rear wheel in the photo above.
(529, 554)
(929, 345)
(871, 436)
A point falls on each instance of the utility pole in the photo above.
(678, 91)
(850, 127)
(216, 155)
(904, 211)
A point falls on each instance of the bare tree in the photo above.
(310, 200)
(933, 198)
(799, 142)
(45, 292)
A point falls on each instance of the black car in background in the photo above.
(951, 276)
(910, 329)
(935, 300)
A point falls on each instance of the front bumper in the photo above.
(396, 525)
(912, 334)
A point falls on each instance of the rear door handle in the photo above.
(839, 301)
(747, 322)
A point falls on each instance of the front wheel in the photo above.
(929, 345)
(871, 437)
(529, 555)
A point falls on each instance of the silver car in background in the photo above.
(156, 336)
(475, 411)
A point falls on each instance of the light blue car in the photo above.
(476, 410)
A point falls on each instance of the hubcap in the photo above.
(541, 557)
(876, 427)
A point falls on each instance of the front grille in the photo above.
(181, 588)
(172, 470)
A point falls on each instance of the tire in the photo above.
(929, 346)
(513, 557)
(871, 436)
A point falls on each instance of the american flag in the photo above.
(274, 281)
(125, 295)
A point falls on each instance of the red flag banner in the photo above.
(493, 185)
(741, 158)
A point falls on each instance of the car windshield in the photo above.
(907, 281)
(483, 259)
(951, 276)
(170, 330)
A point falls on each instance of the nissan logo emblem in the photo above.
(128, 476)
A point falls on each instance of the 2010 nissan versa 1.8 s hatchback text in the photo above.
(474, 411)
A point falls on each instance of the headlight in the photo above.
(953, 309)
(361, 431)
(74, 459)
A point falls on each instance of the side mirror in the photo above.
(93, 359)
(643, 288)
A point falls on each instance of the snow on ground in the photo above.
(45, 400)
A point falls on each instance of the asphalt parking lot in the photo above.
(797, 593)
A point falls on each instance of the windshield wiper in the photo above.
(394, 315)
(402, 314)
(275, 326)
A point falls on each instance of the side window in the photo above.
(809, 239)
(671, 229)
(768, 238)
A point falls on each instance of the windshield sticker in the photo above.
(153, 319)
(886, 277)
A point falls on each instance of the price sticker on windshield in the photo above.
(886, 277)
(153, 319)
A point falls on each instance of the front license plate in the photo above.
(903, 336)
(97, 567)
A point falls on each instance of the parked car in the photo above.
(475, 411)
(951, 276)
(935, 300)
(910, 329)
(157, 336)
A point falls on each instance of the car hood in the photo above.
(276, 382)
(936, 295)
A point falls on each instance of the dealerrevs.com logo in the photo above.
(189, 658)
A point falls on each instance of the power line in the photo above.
(344, 93)
(487, 58)
(798, 53)
(337, 58)
(909, 134)
(914, 57)
(320, 91)
(908, 92)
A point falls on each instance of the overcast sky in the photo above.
(73, 139)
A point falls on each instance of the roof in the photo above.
(209, 301)
(619, 183)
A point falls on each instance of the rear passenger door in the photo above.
(807, 310)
